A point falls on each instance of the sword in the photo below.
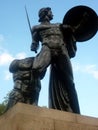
(28, 21)
(29, 24)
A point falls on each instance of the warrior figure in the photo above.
(56, 51)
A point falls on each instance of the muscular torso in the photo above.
(49, 34)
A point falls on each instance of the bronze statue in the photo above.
(26, 85)
(58, 46)
(55, 52)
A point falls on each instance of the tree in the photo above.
(4, 104)
(2, 108)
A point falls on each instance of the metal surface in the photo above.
(84, 20)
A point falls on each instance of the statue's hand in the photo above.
(34, 47)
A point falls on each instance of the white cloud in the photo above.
(5, 58)
(90, 69)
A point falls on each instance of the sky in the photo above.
(15, 41)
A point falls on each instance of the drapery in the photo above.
(59, 94)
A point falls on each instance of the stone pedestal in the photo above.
(28, 117)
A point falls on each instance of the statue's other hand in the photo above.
(33, 47)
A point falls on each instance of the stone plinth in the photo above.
(28, 117)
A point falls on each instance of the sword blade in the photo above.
(28, 20)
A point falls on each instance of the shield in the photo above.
(84, 20)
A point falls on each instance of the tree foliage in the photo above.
(4, 104)
(2, 108)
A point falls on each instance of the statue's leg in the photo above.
(35, 93)
(42, 60)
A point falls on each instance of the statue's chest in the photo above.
(52, 30)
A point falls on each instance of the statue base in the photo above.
(28, 117)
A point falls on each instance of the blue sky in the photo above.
(15, 41)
